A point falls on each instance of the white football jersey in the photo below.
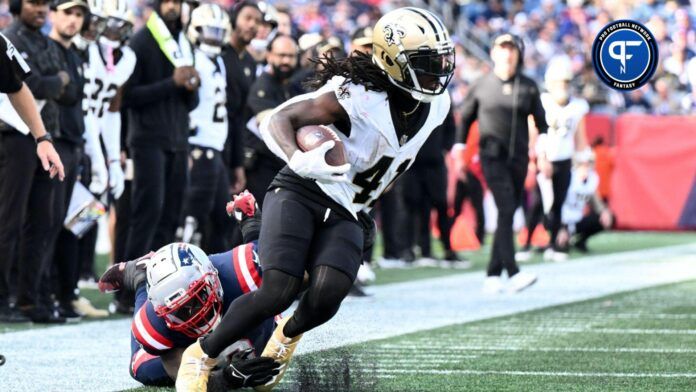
(209, 118)
(563, 124)
(376, 155)
(579, 194)
(102, 81)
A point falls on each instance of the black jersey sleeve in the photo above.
(13, 68)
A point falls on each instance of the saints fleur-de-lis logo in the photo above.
(390, 30)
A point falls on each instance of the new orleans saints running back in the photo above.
(383, 108)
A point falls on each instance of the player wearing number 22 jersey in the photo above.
(383, 107)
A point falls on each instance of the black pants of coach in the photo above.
(425, 187)
(207, 196)
(26, 192)
(505, 179)
(58, 254)
(473, 190)
(159, 183)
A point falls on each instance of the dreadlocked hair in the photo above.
(357, 68)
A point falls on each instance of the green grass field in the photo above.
(636, 341)
(642, 340)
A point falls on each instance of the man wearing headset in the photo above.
(502, 101)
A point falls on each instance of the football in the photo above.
(313, 136)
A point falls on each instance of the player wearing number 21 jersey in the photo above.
(383, 107)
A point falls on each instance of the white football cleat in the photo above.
(548, 254)
(492, 285)
(523, 256)
(521, 281)
(365, 274)
(560, 257)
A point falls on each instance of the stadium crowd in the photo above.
(267, 56)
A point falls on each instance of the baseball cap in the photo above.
(362, 36)
(505, 39)
(65, 4)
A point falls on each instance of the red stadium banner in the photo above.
(599, 125)
(654, 181)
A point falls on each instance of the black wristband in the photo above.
(45, 138)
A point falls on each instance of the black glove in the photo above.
(369, 231)
(244, 372)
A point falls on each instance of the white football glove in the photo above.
(117, 180)
(100, 177)
(312, 164)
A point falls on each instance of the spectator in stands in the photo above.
(637, 102)
(26, 210)
(159, 95)
(665, 100)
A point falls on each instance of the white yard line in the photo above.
(95, 356)
(537, 374)
(434, 349)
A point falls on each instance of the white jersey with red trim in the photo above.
(239, 274)
(376, 154)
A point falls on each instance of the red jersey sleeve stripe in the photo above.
(140, 358)
(238, 269)
(148, 333)
(251, 266)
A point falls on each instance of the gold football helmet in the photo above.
(412, 46)
(209, 28)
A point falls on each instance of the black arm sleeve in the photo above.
(469, 114)
(449, 129)
(538, 112)
(44, 87)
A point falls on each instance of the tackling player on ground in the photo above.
(383, 107)
(185, 295)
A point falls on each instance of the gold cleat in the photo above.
(194, 369)
(280, 348)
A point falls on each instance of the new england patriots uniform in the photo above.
(239, 273)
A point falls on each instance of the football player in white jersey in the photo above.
(110, 64)
(576, 224)
(209, 181)
(383, 107)
(565, 137)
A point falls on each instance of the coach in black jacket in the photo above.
(158, 97)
